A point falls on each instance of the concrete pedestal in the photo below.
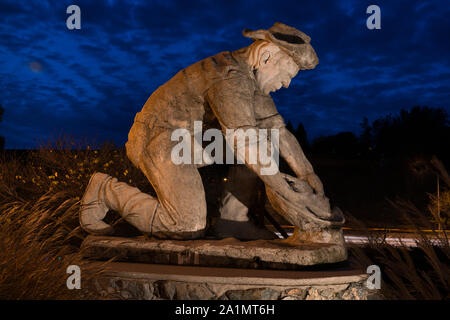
(259, 254)
(225, 269)
(150, 281)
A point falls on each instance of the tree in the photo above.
(300, 134)
(366, 138)
(421, 130)
(290, 127)
(344, 144)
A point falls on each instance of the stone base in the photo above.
(259, 254)
(149, 281)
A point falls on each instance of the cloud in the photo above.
(91, 82)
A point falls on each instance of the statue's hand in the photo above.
(315, 183)
(301, 203)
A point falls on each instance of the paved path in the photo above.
(394, 239)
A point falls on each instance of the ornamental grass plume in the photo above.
(412, 273)
(39, 241)
(40, 192)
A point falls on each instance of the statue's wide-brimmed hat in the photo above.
(293, 41)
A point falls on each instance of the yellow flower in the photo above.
(56, 174)
(67, 176)
(125, 172)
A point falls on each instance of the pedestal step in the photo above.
(155, 281)
(271, 254)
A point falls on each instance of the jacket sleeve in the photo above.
(232, 101)
(266, 113)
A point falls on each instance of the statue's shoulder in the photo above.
(217, 66)
(225, 59)
(232, 63)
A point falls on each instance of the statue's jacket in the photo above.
(221, 91)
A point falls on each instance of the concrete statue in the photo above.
(230, 90)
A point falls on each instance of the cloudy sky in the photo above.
(90, 83)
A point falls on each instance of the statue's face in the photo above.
(275, 70)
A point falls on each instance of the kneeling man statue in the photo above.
(230, 90)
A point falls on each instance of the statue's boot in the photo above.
(105, 192)
(239, 195)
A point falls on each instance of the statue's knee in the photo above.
(187, 225)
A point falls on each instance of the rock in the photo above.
(253, 294)
(146, 282)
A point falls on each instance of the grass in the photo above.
(40, 193)
(421, 272)
(39, 242)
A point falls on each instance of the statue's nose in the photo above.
(286, 83)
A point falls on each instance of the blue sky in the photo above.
(90, 83)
